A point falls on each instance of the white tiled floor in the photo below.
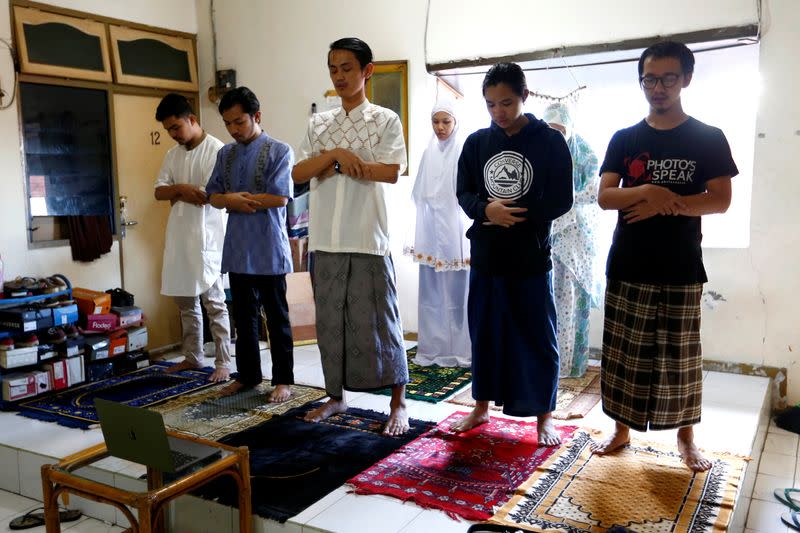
(734, 420)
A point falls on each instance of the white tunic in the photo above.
(195, 234)
(348, 215)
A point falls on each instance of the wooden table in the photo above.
(61, 478)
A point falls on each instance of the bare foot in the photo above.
(548, 435)
(326, 410)
(398, 417)
(478, 416)
(617, 440)
(220, 374)
(232, 388)
(690, 455)
(183, 365)
(280, 394)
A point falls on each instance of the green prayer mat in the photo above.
(432, 383)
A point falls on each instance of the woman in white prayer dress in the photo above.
(441, 248)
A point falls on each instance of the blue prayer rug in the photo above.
(74, 407)
(294, 463)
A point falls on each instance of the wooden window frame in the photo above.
(125, 34)
(30, 15)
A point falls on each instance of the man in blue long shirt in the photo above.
(252, 180)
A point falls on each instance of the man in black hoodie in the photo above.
(514, 178)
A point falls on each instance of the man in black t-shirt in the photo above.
(662, 175)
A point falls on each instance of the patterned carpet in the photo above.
(463, 474)
(294, 463)
(74, 407)
(432, 383)
(644, 487)
(208, 415)
(576, 396)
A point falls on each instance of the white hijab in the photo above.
(439, 236)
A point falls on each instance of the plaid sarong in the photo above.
(651, 373)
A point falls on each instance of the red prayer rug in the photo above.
(463, 474)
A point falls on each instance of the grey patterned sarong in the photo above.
(358, 322)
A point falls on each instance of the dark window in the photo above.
(45, 43)
(67, 148)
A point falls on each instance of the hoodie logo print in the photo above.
(507, 175)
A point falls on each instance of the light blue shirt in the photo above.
(255, 243)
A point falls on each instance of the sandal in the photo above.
(785, 497)
(792, 520)
(35, 518)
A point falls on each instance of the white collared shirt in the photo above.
(195, 234)
(347, 214)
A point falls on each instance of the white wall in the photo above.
(278, 50)
(18, 259)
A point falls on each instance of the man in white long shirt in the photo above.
(195, 235)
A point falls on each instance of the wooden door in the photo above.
(141, 144)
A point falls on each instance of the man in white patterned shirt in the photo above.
(351, 155)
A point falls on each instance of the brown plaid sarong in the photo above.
(651, 373)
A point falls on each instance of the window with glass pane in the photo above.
(67, 149)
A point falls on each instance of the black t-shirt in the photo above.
(664, 249)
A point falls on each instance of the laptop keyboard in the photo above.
(180, 459)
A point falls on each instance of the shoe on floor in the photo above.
(791, 520)
(35, 518)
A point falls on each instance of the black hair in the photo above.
(509, 73)
(240, 96)
(674, 49)
(361, 49)
(173, 105)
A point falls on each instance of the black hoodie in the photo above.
(534, 168)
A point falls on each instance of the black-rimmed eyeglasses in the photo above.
(667, 81)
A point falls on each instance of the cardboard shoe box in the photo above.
(91, 302)
(137, 338)
(26, 319)
(98, 323)
(57, 371)
(19, 357)
(46, 352)
(130, 361)
(117, 342)
(75, 372)
(19, 386)
(96, 348)
(42, 379)
(71, 347)
(128, 315)
(99, 370)
(67, 314)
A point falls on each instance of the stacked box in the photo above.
(24, 319)
(75, 372)
(91, 302)
(96, 347)
(19, 357)
(19, 386)
(128, 315)
(66, 314)
(137, 338)
(57, 370)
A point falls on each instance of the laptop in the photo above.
(138, 435)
